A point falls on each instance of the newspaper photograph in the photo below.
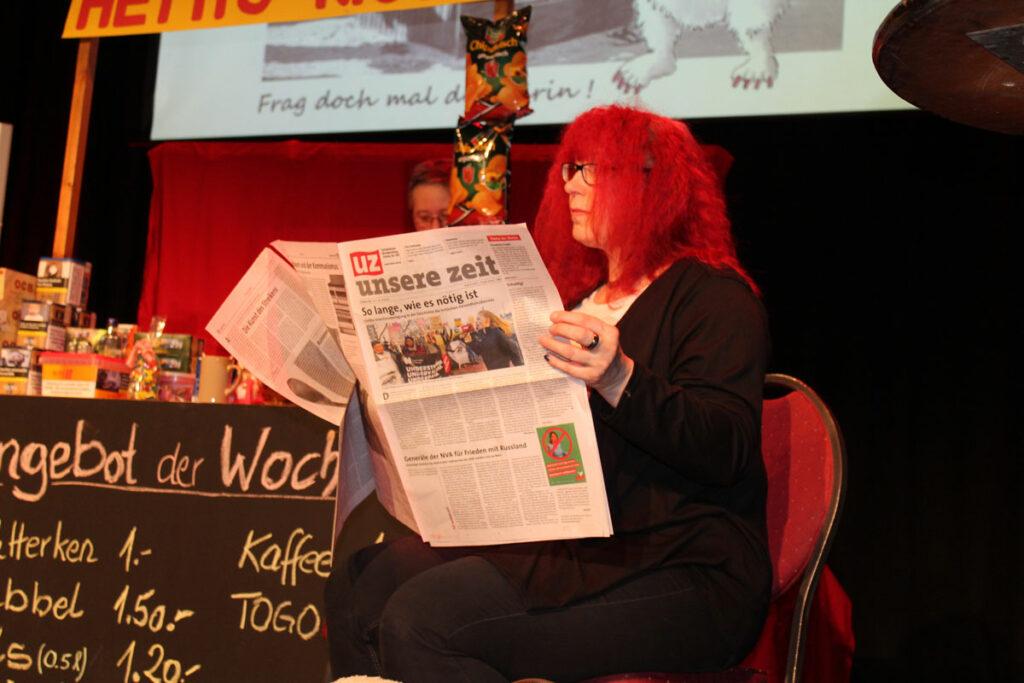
(490, 443)
(456, 310)
(271, 325)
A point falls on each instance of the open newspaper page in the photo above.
(318, 265)
(491, 443)
(366, 456)
(271, 325)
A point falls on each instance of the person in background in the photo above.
(428, 194)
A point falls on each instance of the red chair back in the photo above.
(805, 464)
(798, 449)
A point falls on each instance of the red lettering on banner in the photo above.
(165, 12)
(503, 238)
(121, 16)
(320, 4)
(199, 8)
(253, 6)
(87, 6)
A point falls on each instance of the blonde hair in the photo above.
(495, 321)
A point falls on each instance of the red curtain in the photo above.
(215, 206)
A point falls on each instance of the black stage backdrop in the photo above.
(883, 244)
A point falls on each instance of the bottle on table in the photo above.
(112, 343)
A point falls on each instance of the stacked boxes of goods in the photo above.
(15, 363)
(42, 325)
(52, 347)
(15, 287)
(64, 281)
(59, 294)
(90, 365)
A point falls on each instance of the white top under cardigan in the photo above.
(612, 312)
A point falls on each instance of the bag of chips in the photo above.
(480, 174)
(496, 84)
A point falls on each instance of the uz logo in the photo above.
(366, 263)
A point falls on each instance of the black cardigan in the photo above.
(681, 452)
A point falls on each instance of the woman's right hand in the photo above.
(595, 357)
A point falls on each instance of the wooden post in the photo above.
(74, 151)
(503, 8)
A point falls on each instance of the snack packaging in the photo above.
(174, 352)
(143, 370)
(15, 287)
(496, 83)
(479, 181)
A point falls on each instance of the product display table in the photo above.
(144, 541)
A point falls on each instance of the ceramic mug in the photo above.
(244, 389)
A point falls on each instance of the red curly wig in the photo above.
(657, 196)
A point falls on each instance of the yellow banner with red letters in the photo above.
(97, 18)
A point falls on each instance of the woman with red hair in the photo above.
(667, 330)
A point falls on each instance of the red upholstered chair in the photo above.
(803, 455)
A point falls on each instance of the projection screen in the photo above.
(405, 70)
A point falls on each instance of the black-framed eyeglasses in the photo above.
(589, 172)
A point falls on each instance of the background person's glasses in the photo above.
(430, 220)
(588, 170)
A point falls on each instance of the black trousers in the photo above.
(401, 611)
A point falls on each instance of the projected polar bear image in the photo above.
(631, 42)
(406, 69)
(662, 24)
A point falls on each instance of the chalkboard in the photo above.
(154, 542)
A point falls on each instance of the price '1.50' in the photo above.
(153, 618)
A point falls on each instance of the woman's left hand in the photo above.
(596, 357)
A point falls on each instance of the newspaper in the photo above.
(493, 444)
(367, 461)
(271, 325)
(468, 434)
(318, 265)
